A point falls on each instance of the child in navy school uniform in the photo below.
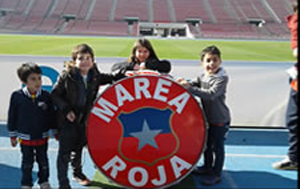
(30, 118)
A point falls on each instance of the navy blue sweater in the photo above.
(28, 118)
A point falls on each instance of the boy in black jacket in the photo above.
(30, 118)
(73, 95)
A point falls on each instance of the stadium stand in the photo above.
(59, 7)
(280, 7)
(245, 9)
(222, 11)
(8, 4)
(21, 5)
(107, 28)
(48, 25)
(125, 8)
(73, 7)
(84, 8)
(190, 9)
(34, 18)
(14, 22)
(101, 10)
(161, 12)
(226, 31)
(225, 19)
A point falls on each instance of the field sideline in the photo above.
(48, 45)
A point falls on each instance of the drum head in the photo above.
(146, 132)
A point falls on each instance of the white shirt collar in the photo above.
(27, 92)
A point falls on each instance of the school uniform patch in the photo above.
(43, 105)
(146, 132)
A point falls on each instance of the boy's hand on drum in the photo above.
(71, 116)
(183, 82)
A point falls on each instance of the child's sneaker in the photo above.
(65, 187)
(81, 179)
(26, 187)
(285, 164)
(211, 180)
(45, 185)
(203, 170)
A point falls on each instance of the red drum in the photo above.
(146, 132)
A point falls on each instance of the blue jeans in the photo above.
(292, 125)
(29, 154)
(214, 154)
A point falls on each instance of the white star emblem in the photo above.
(146, 136)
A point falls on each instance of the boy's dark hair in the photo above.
(210, 50)
(26, 69)
(82, 48)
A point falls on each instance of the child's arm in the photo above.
(196, 82)
(218, 88)
(109, 78)
(52, 120)
(164, 66)
(122, 66)
(12, 120)
(58, 95)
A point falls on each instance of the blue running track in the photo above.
(249, 156)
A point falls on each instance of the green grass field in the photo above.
(166, 49)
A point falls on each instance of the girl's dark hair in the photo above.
(142, 43)
(82, 48)
(26, 69)
(210, 50)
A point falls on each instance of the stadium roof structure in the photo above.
(259, 22)
(4, 12)
(131, 20)
(69, 17)
(194, 21)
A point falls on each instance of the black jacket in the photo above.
(65, 94)
(162, 66)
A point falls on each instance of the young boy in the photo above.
(73, 95)
(211, 88)
(30, 118)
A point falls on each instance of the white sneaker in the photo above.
(45, 185)
(285, 164)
